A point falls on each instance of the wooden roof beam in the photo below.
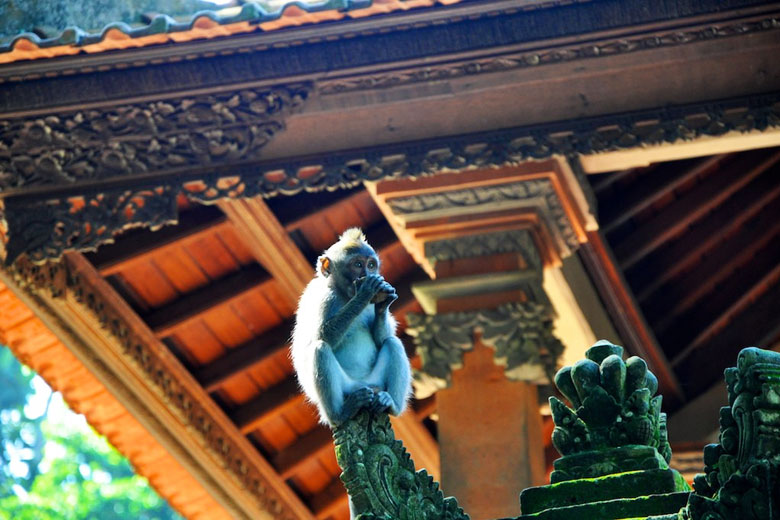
(686, 210)
(257, 350)
(705, 366)
(269, 243)
(164, 320)
(756, 197)
(424, 408)
(334, 200)
(315, 443)
(739, 249)
(330, 500)
(651, 188)
(114, 343)
(272, 401)
(733, 298)
(244, 357)
(139, 244)
(629, 321)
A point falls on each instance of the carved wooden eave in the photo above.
(152, 123)
(493, 241)
(452, 216)
(109, 339)
(91, 145)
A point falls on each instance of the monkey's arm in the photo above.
(384, 323)
(334, 327)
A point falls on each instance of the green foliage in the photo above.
(21, 438)
(75, 473)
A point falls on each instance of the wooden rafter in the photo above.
(693, 206)
(275, 400)
(137, 245)
(732, 253)
(291, 264)
(747, 328)
(651, 188)
(289, 461)
(244, 357)
(329, 500)
(164, 320)
(627, 316)
(669, 261)
(732, 298)
(116, 344)
(270, 244)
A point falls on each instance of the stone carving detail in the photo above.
(741, 477)
(513, 241)
(613, 442)
(139, 138)
(615, 424)
(494, 195)
(380, 476)
(46, 229)
(521, 334)
(59, 278)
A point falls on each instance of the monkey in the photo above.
(344, 348)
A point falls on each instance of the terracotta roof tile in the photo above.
(249, 17)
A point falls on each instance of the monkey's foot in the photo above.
(382, 402)
(363, 397)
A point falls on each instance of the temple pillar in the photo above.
(490, 431)
(491, 241)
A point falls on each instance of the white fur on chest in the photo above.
(357, 352)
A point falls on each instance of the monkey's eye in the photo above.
(359, 264)
(371, 264)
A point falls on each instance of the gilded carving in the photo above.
(499, 148)
(45, 229)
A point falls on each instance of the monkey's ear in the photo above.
(324, 265)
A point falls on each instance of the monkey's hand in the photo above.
(382, 402)
(363, 397)
(369, 286)
(388, 296)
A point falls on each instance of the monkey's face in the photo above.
(356, 267)
(347, 267)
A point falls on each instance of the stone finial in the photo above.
(615, 424)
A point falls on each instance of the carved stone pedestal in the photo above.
(613, 442)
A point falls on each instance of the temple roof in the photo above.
(56, 28)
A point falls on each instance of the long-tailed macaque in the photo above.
(344, 347)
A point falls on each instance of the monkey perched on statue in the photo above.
(344, 348)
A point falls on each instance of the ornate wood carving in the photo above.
(531, 190)
(45, 229)
(520, 333)
(63, 278)
(550, 56)
(347, 169)
(141, 138)
(485, 244)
